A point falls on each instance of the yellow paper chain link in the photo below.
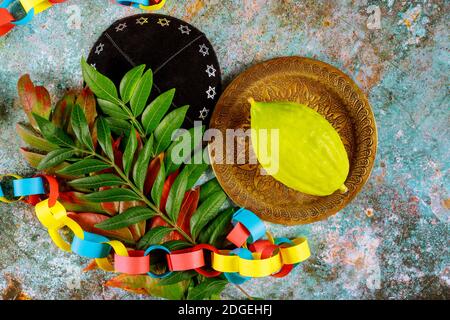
(54, 219)
(38, 5)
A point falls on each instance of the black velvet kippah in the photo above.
(180, 56)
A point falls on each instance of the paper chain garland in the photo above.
(261, 258)
(33, 7)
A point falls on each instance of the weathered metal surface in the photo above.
(390, 242)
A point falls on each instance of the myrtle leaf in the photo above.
(176, 195)
(156, 110)
(143, 284)
(89, 220)
(34, 139)
(34, 159)
(52, 133)
(206, 212)
(141, 167)
(206, 289)
(83, 167)
(118, 126)
(177, 245)
(130, 81)
(55, 158)
(181, 148)
(195, 172)
(81, 127)
(170, 123)
(102, 86)
(86, 101)
(34, 99)
(177, 277)
(209, 188)
(127, 218)
(97, 181)
(112, 109)
(141, 93)
(104, 138)
(218, 228)
(130, 149)
(158, 185)
(112, 195)
(154, 236)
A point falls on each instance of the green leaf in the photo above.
(158, 185)
(206, 289)
(52, 133)
(170, 123)
(209, 188)
(118, 126)
(130, 81)
(177, 245)
(154, 236)
(55, 158)
(97, 181)
(102, 87)
(104, 138)
(81, 127)
(84, 167)
(176, 195)
(176, 277)
(34, 159)
(156, 110)
(130, 149)
(143, 284)
(34, 139)
(195, 172)
(218, 228)
(112, 195)
(112, 109)
(142, 162)
(129, 217)
(141, 93)
(206, 212)
(180, 148)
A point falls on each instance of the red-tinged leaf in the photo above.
(174, 235)
(72, 201)
(33, 99)
(91, 266)
(166, 189)
(87, 102)
(144, 284)
(87, 221)
(34, 159)
(118, 155)
(188, 207)
(112, 208)
(63, 110)
(152, 172)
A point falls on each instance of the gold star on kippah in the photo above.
(142, 21)
(163, 22)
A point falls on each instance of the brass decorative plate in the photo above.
(319, 86)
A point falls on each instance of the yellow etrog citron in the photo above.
(310, 156)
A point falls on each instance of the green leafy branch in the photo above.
(76, 143)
